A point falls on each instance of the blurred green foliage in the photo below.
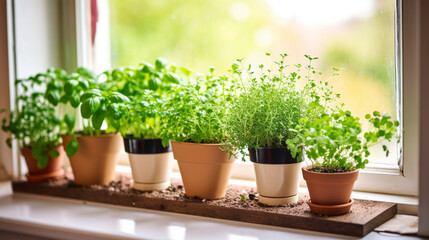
(193, 33)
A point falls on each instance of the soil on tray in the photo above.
(237, 196)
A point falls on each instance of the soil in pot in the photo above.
(205, 169)
(95, 161)
(277, 175)
(332, 190)
(52, 170)
(150, 163)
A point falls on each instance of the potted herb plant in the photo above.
(93, 152)
(150, 161)
(259, 123)
(36, 127)
(194, 119)
(146, 85)
(134, 81)
(337, 148)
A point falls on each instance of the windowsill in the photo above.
(406, 204)
(53, 217)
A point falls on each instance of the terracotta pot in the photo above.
(205, 169)
(277, 175)
(95, 161)
(52, 170)
(150, 163)
(330, 189)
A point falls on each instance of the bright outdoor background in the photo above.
(357, 35)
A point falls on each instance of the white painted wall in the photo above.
(424, 120)
(5, 151)
(38, 36)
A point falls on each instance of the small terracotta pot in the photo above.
(95, 161)
(205, 169)
(330, 189)
(52, 170)
(277, 175)
(150, 163)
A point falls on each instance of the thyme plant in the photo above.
(269, 102)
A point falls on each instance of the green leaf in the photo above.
(42, 161)
(70, 86)
(72, 147)
(85, 110)
(98, 118)
(185, 71)
(70, 121)
(367, 116)
(160, 63)
(376, 114)
(172, 78)
(65, 98)
(54, 154)
(94, 104)
(75, 100)
(116, 97)
(53, 97)
(84, 84)
(90, 93)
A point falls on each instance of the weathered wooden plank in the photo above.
(364, 216)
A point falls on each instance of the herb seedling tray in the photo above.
(363, 217)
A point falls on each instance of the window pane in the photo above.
(357, 35)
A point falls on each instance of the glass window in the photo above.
(356, 35)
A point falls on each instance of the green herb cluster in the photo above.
(270, 102)
(34, 122)
(196, 111)
(142, 118)
(133, 82)
(335, 142)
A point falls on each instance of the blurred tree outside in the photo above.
(355, 35)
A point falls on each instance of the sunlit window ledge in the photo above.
(52, 217)
(406, 204)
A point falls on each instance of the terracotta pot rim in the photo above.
(207, 144)
(304, 168)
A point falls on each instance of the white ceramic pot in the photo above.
(150, 162)
(277, 175)
(277, 183)
(151, 172)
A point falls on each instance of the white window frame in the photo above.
(373, 179)
(401, 180)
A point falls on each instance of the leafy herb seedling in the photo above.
(34, 122)
(335, 142)
(196, 111)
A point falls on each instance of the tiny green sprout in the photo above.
(235, 65)
(243, 198)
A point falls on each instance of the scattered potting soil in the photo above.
(237, 196)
